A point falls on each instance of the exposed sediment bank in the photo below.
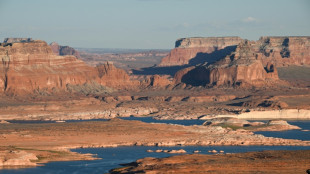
(59, 137)
(251, 162)
(296, 114)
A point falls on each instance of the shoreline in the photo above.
(296, 114)
(283, 114)
(250, 162)
(55, 140)
(69, 155)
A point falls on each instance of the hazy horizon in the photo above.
(150, 24)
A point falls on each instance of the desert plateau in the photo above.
(116, 99)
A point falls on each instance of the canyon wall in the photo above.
(187, 49)
(217, 61)
(242, 67)
(285, 51)
(279, 50)
(116, 78)
(31, 66)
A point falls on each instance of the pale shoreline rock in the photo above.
(298, 114)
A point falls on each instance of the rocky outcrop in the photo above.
(274, 104)
(284, 51)
(235, 123)
(113, 77)
(198, 50)
(227, 121)
(242, 67)
(280, 51)
(158, 81)
(251, 162)
(17, 158)
(231, 60)
(297, 114)
(168, 151)
(30, 66)
(64, 50)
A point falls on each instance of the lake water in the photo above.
(112, 157)
(291, 134)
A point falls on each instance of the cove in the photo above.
(112, 157)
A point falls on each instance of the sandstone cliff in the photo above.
(242, 67)
(284, 51)
(32, 66)
(64, 50)
(29, 66)
(113, 77)
(281, 51)
(198, 50)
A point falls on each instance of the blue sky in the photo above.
(150, 23)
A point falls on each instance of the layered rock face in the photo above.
(187, 49)
(64, 50)
(29, 66)
(284, 51)
(251, 62)
(113, 77)
(243, 66)
(158, 81)
(32, 66)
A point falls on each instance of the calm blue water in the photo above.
(291, 134)
(181, 122)
(112, 157)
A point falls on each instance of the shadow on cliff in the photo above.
(213, 57)
(200, 58)
(198, 76)
(167, 70)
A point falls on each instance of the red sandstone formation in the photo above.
(64, 50)
(113, 77)
(30, 66)
(241, 67)
(283, 51)
(190, 48)
(158, 81)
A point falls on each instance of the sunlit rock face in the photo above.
(242, 67)
(285, 51)
(199, 50)
(32, 65)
